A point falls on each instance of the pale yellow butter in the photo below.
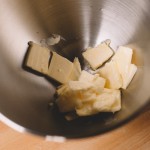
(108, 101)
(129, 77)
(86, 93)
(76, 71)
(61, 89)
(123, 59)
(97, 81)
(38, 58)
(98, 55)
(79, 85)
(72, 94)
(111, 73)
(66, 102)
(60, 68)
(86, 109)
(86, 76)
(83, 91)
(95, 93)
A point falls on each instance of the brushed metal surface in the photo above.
(24, 96)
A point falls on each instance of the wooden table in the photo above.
(132, 136)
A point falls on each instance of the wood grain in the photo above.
(133, 136)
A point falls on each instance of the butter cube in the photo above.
(131, 73)
(60, 68)
(76, 71)
(108, 101)
(98, 55)
(111, 73)
(123, 59)
(86, 110)
(84, 91)
(38, 58)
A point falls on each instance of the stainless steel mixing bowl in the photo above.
(24, 96)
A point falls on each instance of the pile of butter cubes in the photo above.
(80, 91)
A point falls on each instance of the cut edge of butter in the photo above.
(76, 71)
(111, 73)
(97, 81)
(123, 59)
(37, 58)
(98, 55)
(60, 68)
(79, 85)
(131, 74)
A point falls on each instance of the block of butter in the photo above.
(111, 73)
(127, 70)
(52, 64)
(38, 58)
(98, 55)
(60, 68)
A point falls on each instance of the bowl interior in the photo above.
(24, 96)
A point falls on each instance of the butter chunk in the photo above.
(72, 94)
(97, 81)
(66, 101)
(60, 68)
(38, 58)
(77, 64)
(68, 97)
(108, 101)
(99, 84)
(82, 97)
(87, 77)
(79, 85)
(131, 73)
(83, 91)
(111, 73)
(123, 58)
(98, 55)
(86, 110)
(76, 71)
(61, 89)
